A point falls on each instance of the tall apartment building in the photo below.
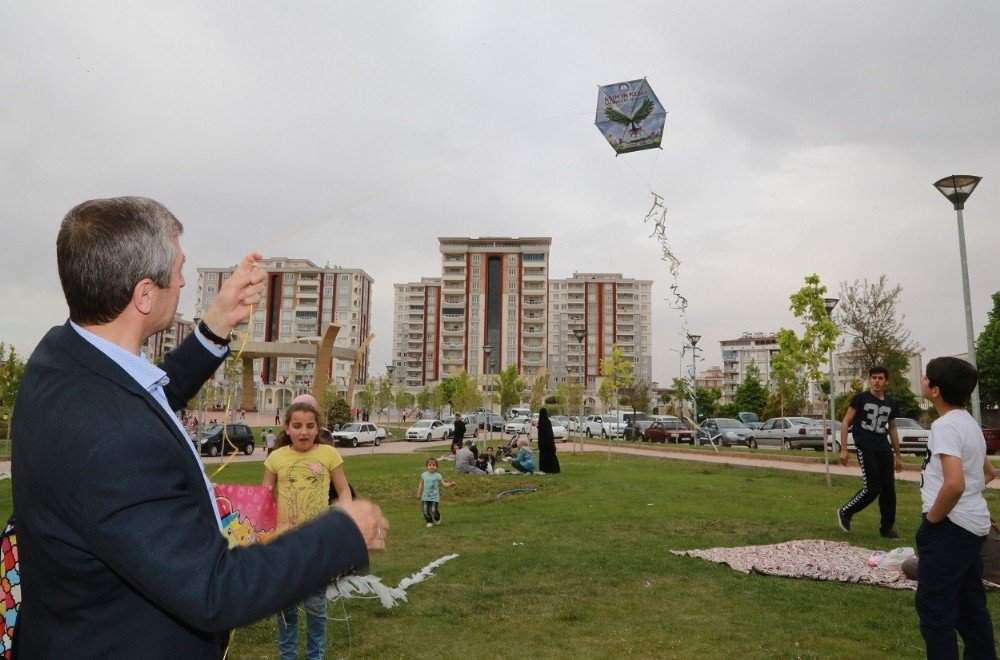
(493, 293)
(737, 354)
(612, 309)
(300, 299)
(164, 341)
(416, 330)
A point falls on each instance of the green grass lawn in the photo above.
(582, 568)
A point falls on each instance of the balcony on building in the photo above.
(533, 303)
(452, 330)
(453, 312)
(452, 359)
(533, 348)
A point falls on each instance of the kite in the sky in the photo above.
(630, 116)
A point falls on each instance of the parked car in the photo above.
(209, 439)
(517, 425)
(493, 421)
(750, 420)
(727, 432)
(427, 429)
(470, 430)
(606, 426)
(559, 430)
(668, 430)
(352, 435)
(791, 433)
(992, 440)
(912, 437)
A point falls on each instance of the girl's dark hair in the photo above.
(283, 440)
(431, 460)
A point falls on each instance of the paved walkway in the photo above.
(803, 463)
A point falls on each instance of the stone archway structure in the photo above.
(319, 349)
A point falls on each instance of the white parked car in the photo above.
(605, 426)
(352, 435)
(912, 437)
(517, 425)
(427, 429)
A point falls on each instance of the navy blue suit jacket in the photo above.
(121, 555)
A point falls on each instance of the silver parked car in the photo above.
(791, 433)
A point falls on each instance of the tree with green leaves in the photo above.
(423, 398)
(403, 400)
(875, 332)
(383, 397)
(682, 393)
(440, 396)
(335, 409)
(637, 397)
(539, 387)
(569, 396)
(988, 357)
(616, 374)
(465, 394)
(11, 371)
(818, 339)
(877, 336)
(367, 396)
(508, 387)
(729, 410)
(788, 389)
(751, 395)
(708, 400)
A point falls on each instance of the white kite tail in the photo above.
(370, 586)
(657, 215)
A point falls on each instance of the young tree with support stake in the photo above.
(819, 337)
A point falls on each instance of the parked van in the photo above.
(519, 412)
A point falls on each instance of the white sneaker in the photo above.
(437, 522)
(430, 524)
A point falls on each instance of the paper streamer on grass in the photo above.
(370, 586)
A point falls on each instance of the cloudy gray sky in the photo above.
(801, 138)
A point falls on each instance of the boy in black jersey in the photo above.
(871, 419)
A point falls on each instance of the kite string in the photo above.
(230, 390)
(315, 222)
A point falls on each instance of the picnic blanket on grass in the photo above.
(810, 559)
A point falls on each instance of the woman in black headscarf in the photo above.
(547, 461)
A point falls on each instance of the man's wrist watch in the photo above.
(211, 336)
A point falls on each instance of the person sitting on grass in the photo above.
(465, 460)
(525, 460)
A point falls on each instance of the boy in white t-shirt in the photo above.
(956, 520)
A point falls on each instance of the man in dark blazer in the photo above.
(120, 544)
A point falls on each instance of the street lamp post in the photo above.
(694, 389)
(581, 334)
(487, 351)
(389, 368)
(957, 189)
(830, 304)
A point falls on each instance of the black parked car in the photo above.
(209, 440)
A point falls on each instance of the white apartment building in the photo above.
(164, 341)
(416, 329)
(300, 299)
(612, 309)
(737, 354)
(844, 373)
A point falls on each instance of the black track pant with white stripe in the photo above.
(879, 482)
(431, 511)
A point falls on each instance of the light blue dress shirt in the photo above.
(153, 379)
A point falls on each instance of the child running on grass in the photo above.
(950, 594)
(429, 492)
(299, 475)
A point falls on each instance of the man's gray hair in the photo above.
(106, 246)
